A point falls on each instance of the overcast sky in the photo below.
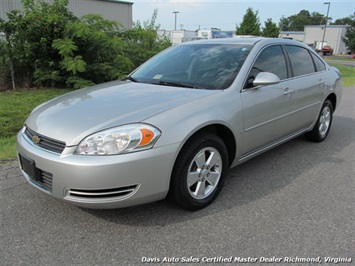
(194, 14)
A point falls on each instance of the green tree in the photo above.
(298, 21)
(250, 24)
(349, 38)
(142, 41)
(284, 24)
(343, 21)
(317, 18)
(270, 29)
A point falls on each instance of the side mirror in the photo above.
(265, 78)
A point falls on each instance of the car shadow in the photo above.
(251, 181)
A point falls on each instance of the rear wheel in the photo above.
(324, 122)
(199, 172)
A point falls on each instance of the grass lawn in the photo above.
(15, 106)
(348, 74)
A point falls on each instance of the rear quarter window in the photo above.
(301, 60)
(319, 63)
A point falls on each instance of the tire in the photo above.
(321, 128)
(199, 172)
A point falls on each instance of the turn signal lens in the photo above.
(147, 136)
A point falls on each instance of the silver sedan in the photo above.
(176, 125)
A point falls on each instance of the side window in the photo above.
(319, 63)
(271, 59)
(301, 60)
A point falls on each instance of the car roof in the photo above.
(245, 41)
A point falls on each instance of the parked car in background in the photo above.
(178, 123)
(327, 50)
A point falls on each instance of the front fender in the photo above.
(179, 124)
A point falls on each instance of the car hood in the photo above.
(75, 115)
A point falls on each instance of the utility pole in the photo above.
(325, 25)
(176, 12)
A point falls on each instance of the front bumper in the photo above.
(98, 181)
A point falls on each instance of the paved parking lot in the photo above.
(293, 204)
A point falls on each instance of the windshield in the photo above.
(203, 66)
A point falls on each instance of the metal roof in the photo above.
(118, 1)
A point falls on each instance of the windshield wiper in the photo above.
(130, 78)
(164, 83)
(175, 84)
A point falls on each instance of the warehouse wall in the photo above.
(333, 36)
(113, 10)
(8, 5)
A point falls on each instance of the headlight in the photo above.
(123, 139)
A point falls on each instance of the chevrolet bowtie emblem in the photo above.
(36, 139)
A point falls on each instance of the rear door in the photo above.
(308, 84)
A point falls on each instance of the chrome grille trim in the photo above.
(121, 192)
(45, 142)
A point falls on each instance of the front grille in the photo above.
(45, 142)
(102, 193)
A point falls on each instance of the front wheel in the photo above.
(322, 126)
(199, 172)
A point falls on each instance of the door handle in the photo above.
(321, 82)
(288, 91)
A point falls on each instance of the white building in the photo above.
(180, 36)
(333, 37)
(214, 34)
(293, 35)
(313, 36)
(204, 34)
(120, 11)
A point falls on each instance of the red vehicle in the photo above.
(327, 50)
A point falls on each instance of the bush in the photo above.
(29, 36)
(46, 45)
(91, 52)
(142, 42)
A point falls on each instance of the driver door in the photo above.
(267, 110)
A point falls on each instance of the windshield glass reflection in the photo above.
(201, 66)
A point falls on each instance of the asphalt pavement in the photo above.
(342, 62)
(337, 59)
(292, 205)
